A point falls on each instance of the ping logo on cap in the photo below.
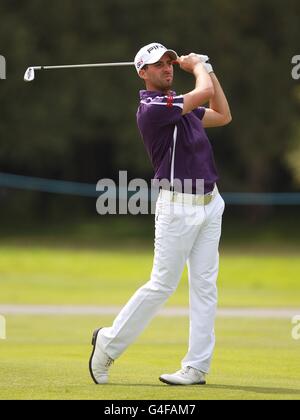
(155, 47)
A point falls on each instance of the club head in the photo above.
(29, 75)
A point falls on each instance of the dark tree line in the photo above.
(80, 125)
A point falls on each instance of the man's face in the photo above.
(159, 76)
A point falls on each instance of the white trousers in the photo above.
(184, 233)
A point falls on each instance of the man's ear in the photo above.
(142, 74)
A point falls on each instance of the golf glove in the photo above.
(209, 67)
(203, 58)
(205, 61)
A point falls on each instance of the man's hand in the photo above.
(206, 63)
(208, 67)
(203, 58)
(190, 62)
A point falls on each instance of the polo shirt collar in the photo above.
(151, 93)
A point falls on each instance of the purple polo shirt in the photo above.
(157, 117)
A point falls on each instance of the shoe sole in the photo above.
(94, 342)
(171, 383)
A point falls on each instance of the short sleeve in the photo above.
(200, 112)
(163, 110)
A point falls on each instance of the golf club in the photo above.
(30, 72)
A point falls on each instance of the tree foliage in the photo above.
(80, 124)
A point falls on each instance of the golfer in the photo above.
(188, 224)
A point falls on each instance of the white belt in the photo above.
(191, 199)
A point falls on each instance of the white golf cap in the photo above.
(151, 54)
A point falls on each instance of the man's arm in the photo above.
(218, 113)
(204, 89)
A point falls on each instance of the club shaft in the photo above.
(78, 66)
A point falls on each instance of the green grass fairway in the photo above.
(60, 276)
(47, 358)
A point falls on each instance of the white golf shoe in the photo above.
(185, 376)
(99, 362)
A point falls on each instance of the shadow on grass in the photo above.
(252, 389)
(256, 389)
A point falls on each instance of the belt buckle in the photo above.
(200, 200)
(173, 195)
(207, 199)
